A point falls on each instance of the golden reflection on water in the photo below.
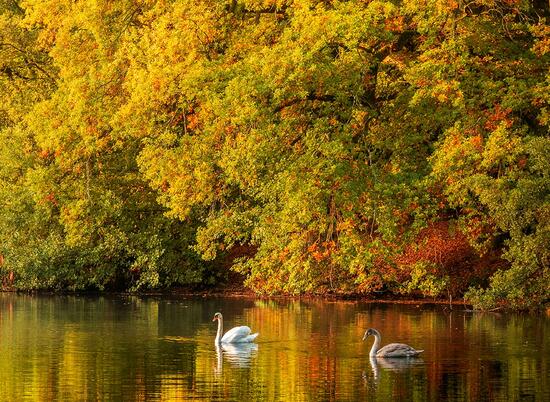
(140, 349)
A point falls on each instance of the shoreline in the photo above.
(249, 294)
(244, 293)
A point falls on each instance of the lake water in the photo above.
(68, 348)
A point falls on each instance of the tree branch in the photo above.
(309, 97)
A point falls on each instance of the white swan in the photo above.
(391, 350)
(234, 335)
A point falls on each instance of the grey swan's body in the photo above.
(390, 350)
(241, 334)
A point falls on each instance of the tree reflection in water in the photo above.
(131, 348)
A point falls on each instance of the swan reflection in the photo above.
(237, 354)
(394, 364)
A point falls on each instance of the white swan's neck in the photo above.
(375, 345)
(218, 340)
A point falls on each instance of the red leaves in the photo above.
(321, 251)
(192, 121)
(44, 154)
(437, 244)
(477, 142)
(395, 24)
(50, 198)
(497, 116)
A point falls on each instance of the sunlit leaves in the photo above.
(322, 135)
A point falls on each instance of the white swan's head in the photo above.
(369, 332)
(217, 316)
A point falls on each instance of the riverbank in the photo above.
(241, 292)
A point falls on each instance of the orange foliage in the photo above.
(477, 142)
(439, 245)
(192, 121)
(44, 154)
(395, 24)
(322, 251)
(497, 116)
(50, 198)
(157, 85)
(451, 253)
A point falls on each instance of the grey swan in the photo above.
(391, 350)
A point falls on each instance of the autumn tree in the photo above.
(76, 212)
(315, 138)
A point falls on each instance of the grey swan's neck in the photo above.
(376, 344)
(218, 340)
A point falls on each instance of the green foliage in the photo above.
(425, 281)
(321, 135)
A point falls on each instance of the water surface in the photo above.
(68, 348)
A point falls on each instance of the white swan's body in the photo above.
(241, 334)
(390, 350)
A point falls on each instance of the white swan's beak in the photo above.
(214, 319)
